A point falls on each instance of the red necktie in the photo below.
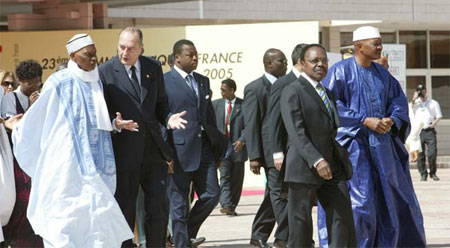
(227, 121)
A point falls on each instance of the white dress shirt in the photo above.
(137, 65)
(270, 77)
(296, 72)
(427, 111)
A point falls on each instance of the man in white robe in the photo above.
(63, 143)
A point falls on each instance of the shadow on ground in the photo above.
(438, 245)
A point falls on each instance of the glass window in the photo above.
(346, 39)
(411, 85)
(388, 38)
(441, 93)
(416, 48)
(440, 49)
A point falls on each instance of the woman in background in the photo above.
(8, 81)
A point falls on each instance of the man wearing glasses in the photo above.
(256, 119)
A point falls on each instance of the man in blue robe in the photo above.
(374, 124)
(63, 143)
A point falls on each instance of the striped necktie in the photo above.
(323, 96)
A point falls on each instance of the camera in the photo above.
(419, 90)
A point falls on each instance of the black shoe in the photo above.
(435, 178)
(197, 241)
(278, 243)
(259, 243)
(423, 177)
(227, 211)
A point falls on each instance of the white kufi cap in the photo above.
(366, 32)
(77, 42)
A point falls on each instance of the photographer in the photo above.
(427, 110)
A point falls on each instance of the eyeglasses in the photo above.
(283, 61)
(8, 83)
(317, 61)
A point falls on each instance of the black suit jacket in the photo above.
(311, 133)
(256, 116)
(148, 110)
(277, 131)
(237, 131)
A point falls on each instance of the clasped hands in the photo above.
(378, 125)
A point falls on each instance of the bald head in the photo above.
(275, 62)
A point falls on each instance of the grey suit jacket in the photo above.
(311, 134)
(237, 131)
(256, 116)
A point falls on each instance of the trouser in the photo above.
(272, 209)
(428, 139)
(334, 197)
(186, 223)
(231, 181)
(152, 177)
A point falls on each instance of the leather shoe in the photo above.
(259, 243)
(435, 178)
(197, 241)
(278, 243)
(227, 211)
(423, 177)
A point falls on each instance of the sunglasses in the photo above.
(8, 83)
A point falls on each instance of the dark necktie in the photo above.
(227, 120)
(135, 81)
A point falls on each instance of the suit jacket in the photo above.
(256, 117)
(311, 133)
(187, 143)
(237, 131)
(277, 131)
(148, 110)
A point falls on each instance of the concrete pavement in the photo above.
(434, 197)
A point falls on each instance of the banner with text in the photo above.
(236, 51)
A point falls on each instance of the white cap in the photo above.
(77, 42)
(366, 32)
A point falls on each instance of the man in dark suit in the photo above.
(277, 131)
(230, 121)
(137, 102)
(256, 115)
(195, 156)
(315, 163)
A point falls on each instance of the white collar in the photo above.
(137, 65)
(86, 76)
(296, 72)
(19, 92)
(232, 101)
(183, 73)
(310, 80)
(270, 77)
